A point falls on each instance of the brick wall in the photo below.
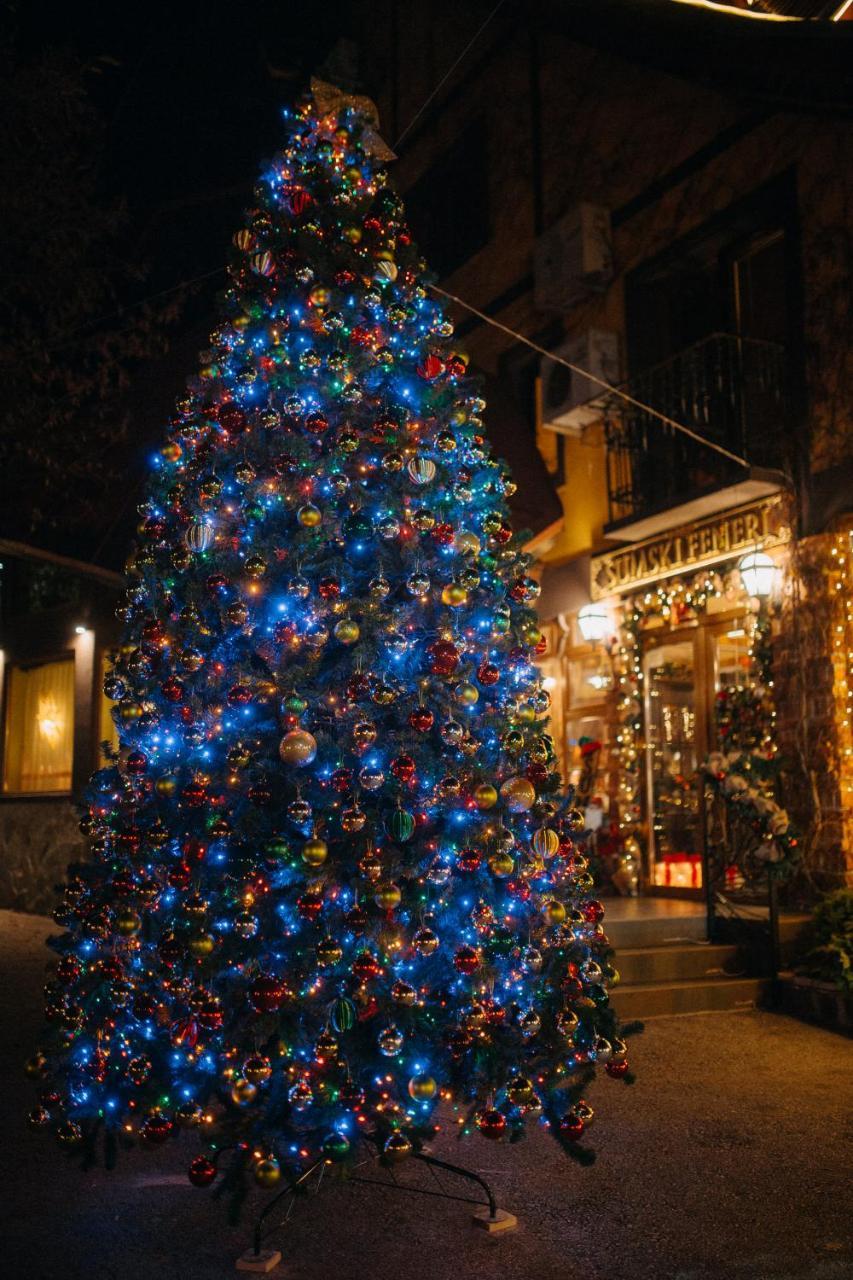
(810, 699)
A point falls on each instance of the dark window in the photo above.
(448, 206)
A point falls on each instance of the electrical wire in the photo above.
(601, 382)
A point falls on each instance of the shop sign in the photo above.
(706, 542)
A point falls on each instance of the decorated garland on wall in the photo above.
(743, 774)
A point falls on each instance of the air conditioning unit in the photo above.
(569, 400)
(573, 259)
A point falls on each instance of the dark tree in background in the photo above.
(68, 345)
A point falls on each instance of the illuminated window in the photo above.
(107, 732)
(39, 738)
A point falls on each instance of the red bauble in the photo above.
(298, 199)
(488, 673)
(458, 1042)
(468, 859)
(593, 911)
(403, 768)
(365, 966)
(443, 533)
(194, 795)
(491, 1123)
(239, 695)
(519, 889)
(570, 1127)
(156, 1129)
(266, 993)
(466, 959)
(617, 1069)
(329, 588)
(201, 1172)
(232, 419)
(310, 904)
(193, 848)
(172, 689)
(178, 877)
(431, 367)
(421, 719)
(136, 763)
(444, 657)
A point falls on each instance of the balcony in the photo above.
(729, 390)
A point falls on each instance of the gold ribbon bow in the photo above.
(331, 100)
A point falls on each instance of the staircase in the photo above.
(666, 966)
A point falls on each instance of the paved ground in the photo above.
(726, 1161)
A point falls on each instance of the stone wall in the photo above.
(38, 838)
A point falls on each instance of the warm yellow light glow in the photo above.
(740, 13)
(49, 719)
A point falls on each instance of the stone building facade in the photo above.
(717, 150)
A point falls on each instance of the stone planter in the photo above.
(816, 1001)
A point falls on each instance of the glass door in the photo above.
(675, 724)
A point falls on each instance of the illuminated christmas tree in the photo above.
(333, 878)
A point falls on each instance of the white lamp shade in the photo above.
(758, 574)
(593, 623)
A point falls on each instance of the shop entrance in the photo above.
(683, 670)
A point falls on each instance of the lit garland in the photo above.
(743, 774)
(672, 603)
(840, 583)
(333, 874)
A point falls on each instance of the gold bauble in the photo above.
(309, 516)
(468, 695)
(298, 747)
(454, 594)
(501, 865)
(555, 911)
(485, 796)
(267, 1173)
(201, 945)
(347, 631)
(519, 1090)
(315, 852)
(422, 1088)
(545, 842)
(468, 543)
(243, 1092)
(128, 923)
(518, 794)
(388, 896)
(397, 1147)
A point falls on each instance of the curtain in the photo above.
(107, 731)
(40, 728)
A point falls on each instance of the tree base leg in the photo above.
(261, 1263)
(502, 1220)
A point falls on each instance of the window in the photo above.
(448, 205)
(39, 737)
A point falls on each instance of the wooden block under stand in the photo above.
(502, 1221)
(261, 1263)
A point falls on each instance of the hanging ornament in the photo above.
(298, 748)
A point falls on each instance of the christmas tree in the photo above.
(333, 876)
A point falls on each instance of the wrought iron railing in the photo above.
(728, 389)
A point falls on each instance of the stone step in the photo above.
(674, 963)
(626, 934)
(656, 1000)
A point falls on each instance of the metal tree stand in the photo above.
(489, 1217)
